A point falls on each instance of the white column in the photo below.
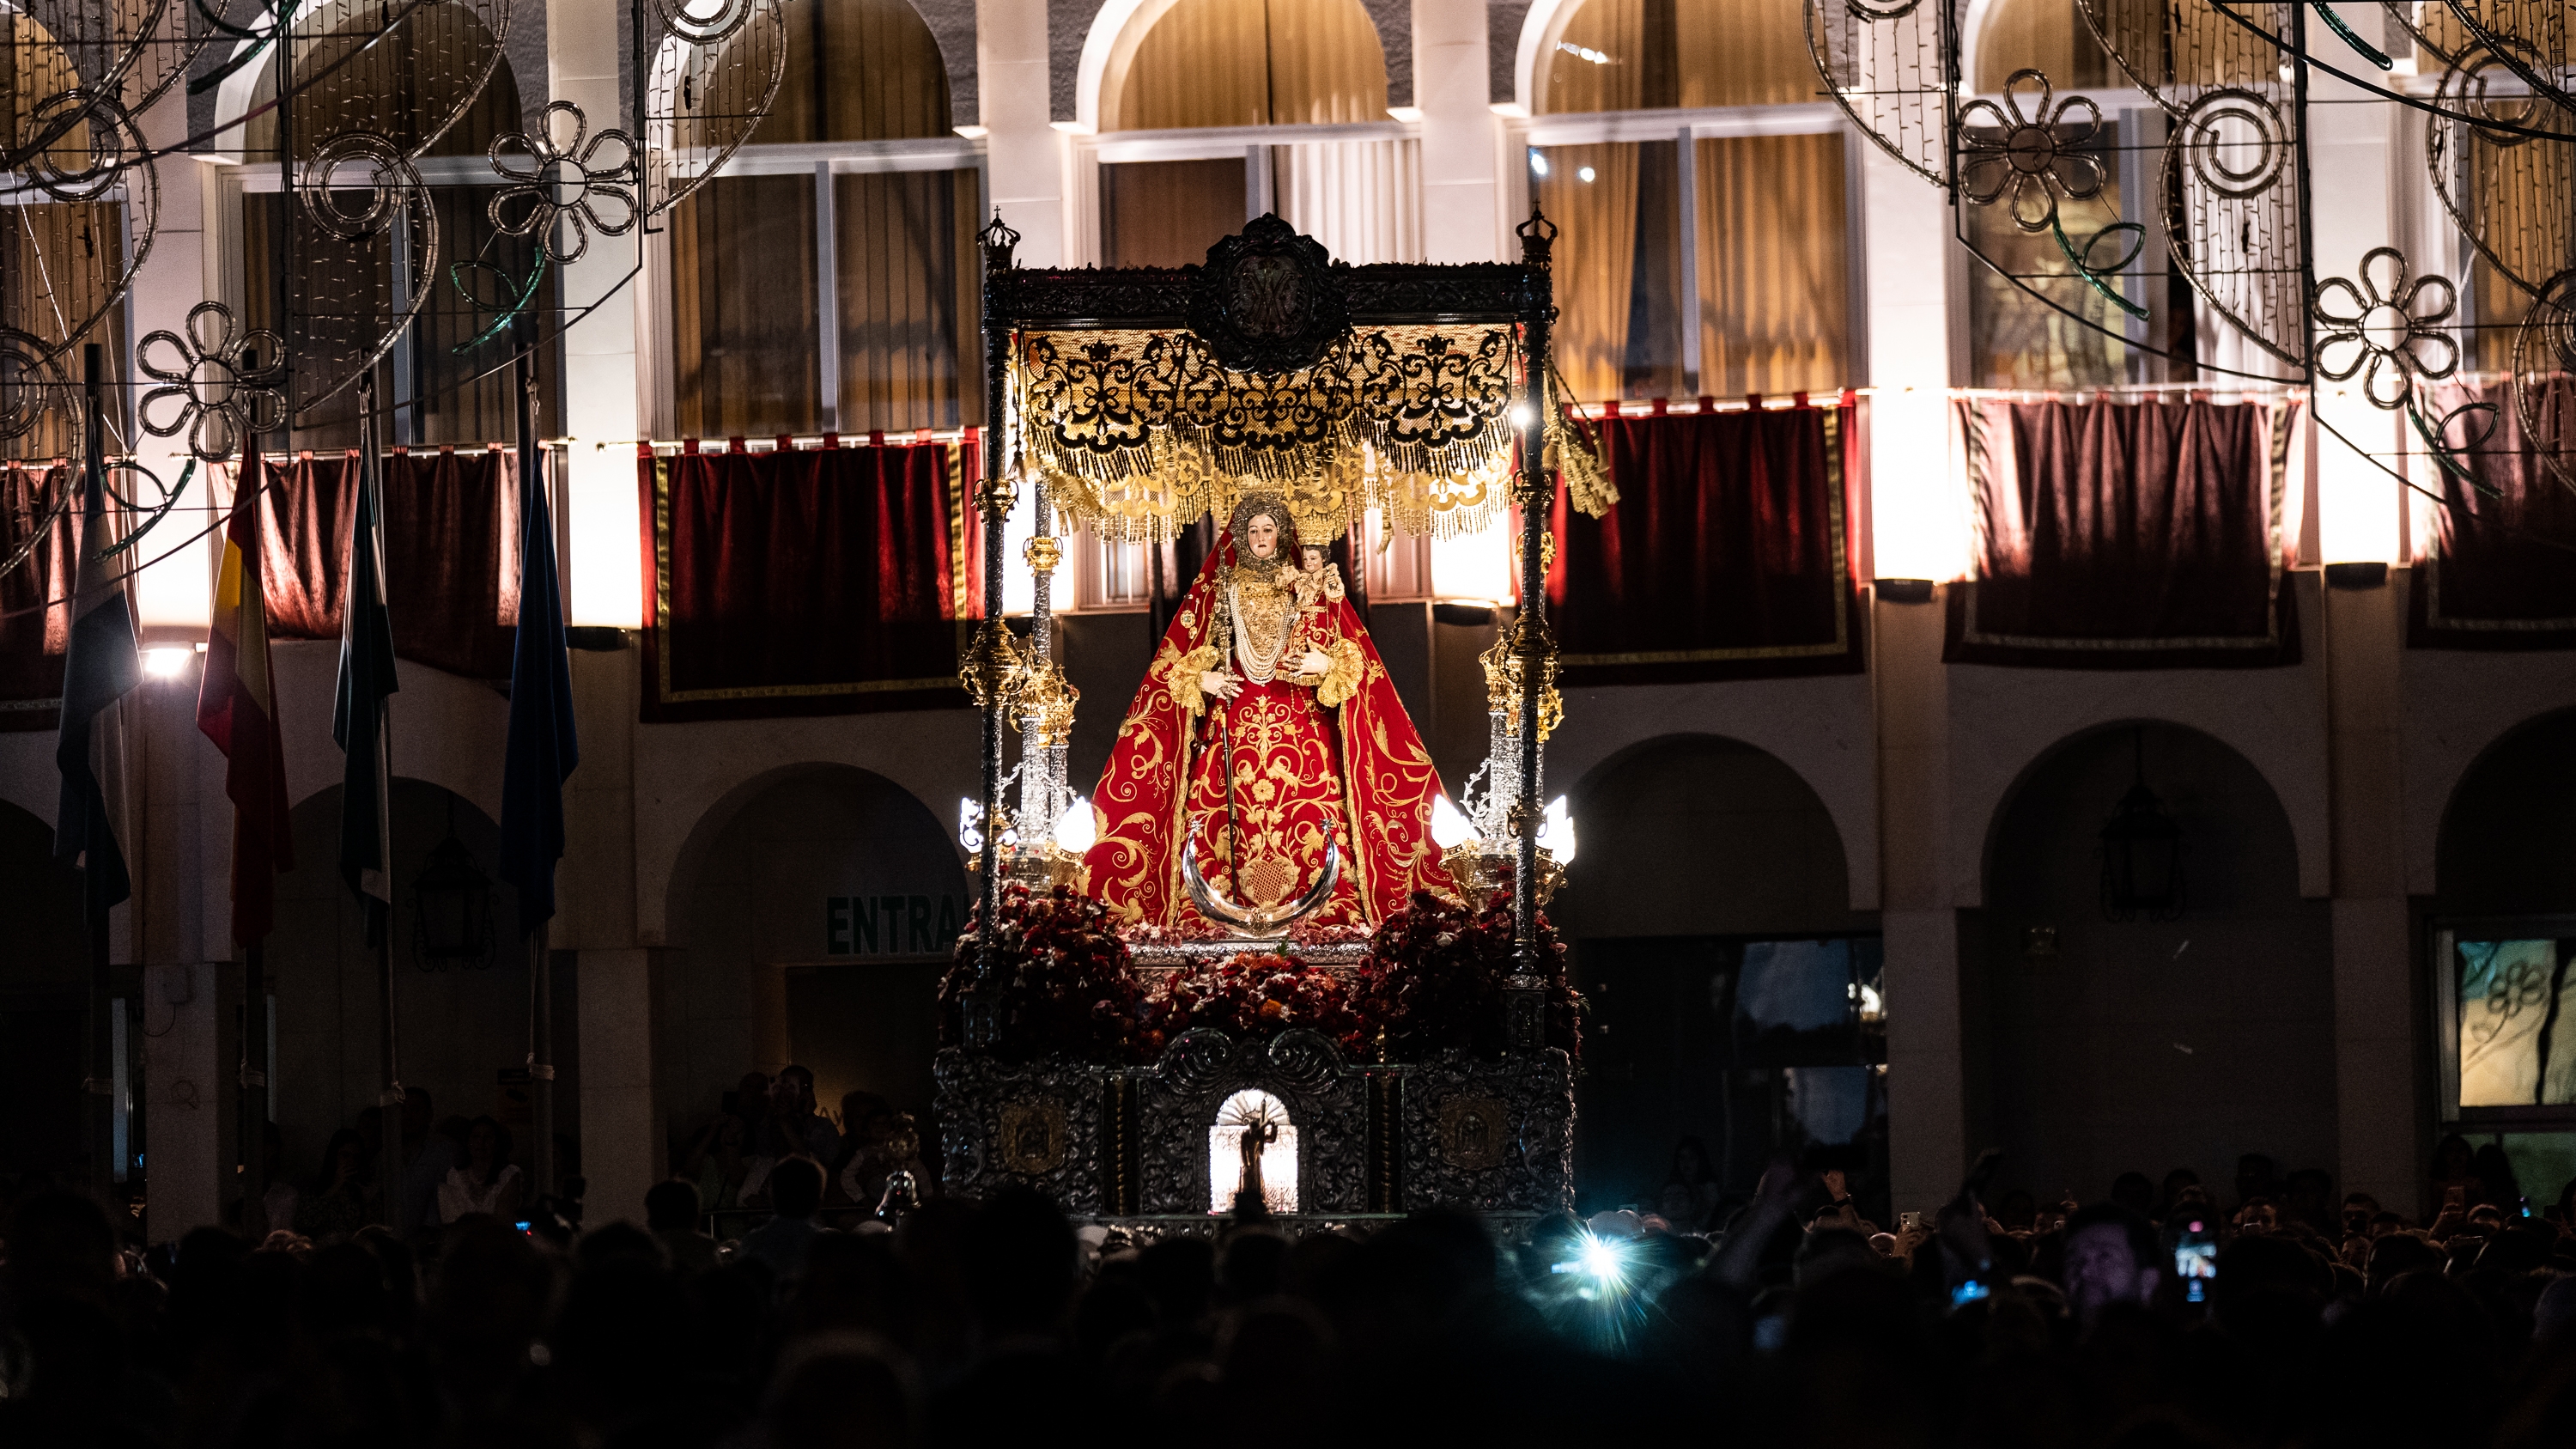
(2377, 1117)
(602, 375)
(1926, 1064)
(1461, 195)
(621, 1126)
(185, 1098)
(1024, 155)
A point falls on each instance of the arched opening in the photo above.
(811, 928)
(44, 979)
(2507, 845)
(460, 1016)
(1736, 1000)
(2101, 1046)
(1252, 1125)
(832, 286)
(2502, 931)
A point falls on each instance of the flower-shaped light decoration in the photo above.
(2029, 154)
(598, 171)
(228, 386)
(2386, 323)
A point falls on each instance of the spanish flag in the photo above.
(237, 709)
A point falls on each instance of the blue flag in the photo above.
(358, 716)
(544, 747)
(101, 663)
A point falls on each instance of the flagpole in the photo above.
(541, 1019)
(251, 1114)
(101, 1085)
(379, 744)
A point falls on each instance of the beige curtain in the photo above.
(1774, 279)
(744, 320)
(59, 264)
(2524, 202)
(397, 84)
(905, 246)
(1618, 244)
(1168, 213)
(857, 70)
(1253, 63)
(1628, 55)
(1361, 199)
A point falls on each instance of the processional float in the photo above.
(1133, 401)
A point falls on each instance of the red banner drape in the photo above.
(807, 581)
(2112, 535)
(34, 622)
(2487, 575)
(1731, 553)
(451, 554)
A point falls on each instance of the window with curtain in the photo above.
(1617, 207)
(816, 289)
(1207, 63)
(449, 379)
(59, 260)
(1225, 70)
(1168, 213)
(1717, 262)
(1637, 55)
(2032, 321)
(2050, 332)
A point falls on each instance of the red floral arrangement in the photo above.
(1433, 982)
(1251, 996)
(1063, 979)
(1435, 976)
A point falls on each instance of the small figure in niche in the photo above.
(1252, 1199)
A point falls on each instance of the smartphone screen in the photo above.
(2196, 1259)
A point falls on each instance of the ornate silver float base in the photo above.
(1115, 1143)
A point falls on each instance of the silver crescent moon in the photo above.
(1257, 923)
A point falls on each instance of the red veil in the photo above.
(1378, 806)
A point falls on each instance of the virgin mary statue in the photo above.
(1266, 731)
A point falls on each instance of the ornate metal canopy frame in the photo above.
(1267, 302)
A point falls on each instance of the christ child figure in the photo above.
(1317, 583)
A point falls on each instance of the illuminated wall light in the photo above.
(2358, 504)
(1585, 52)
(607, 579)
(167, 661)
(1538, 162)
(172, 589)
(1918, 522)
(1586, 174)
